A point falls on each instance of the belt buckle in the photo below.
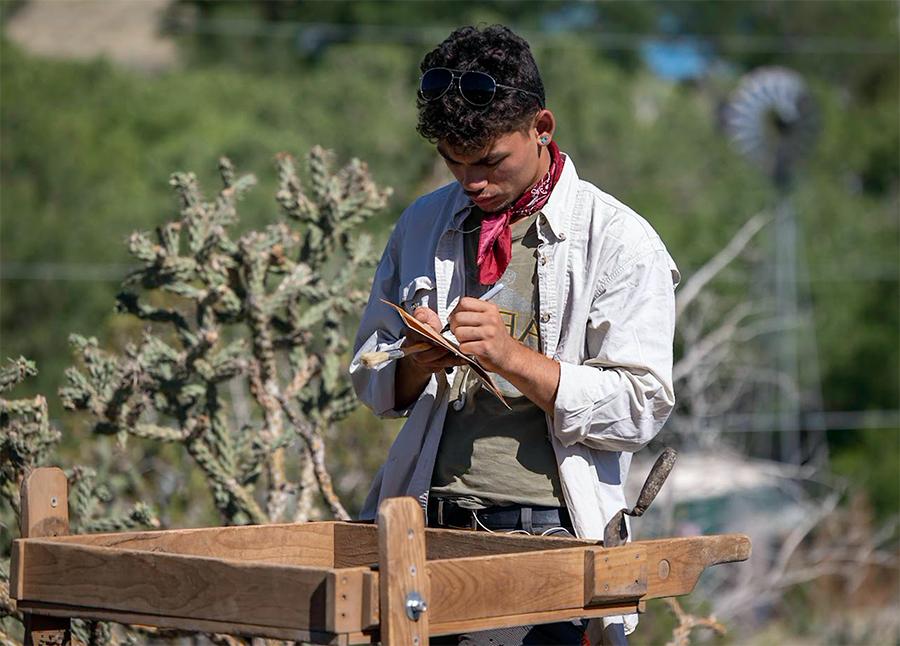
(440, 512)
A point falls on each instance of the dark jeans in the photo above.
(567, 633)
(563, 633)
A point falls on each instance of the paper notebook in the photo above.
(439, 341)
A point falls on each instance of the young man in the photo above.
(579, 338)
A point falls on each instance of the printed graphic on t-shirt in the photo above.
(518, 300)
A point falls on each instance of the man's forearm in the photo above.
(536, 376)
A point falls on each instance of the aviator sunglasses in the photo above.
(476, 88)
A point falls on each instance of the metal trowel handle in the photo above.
(658, 474)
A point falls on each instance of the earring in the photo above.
(544, 140)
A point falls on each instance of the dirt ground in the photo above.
(125, 31)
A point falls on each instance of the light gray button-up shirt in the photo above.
(607, 311)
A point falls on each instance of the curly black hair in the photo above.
(499, 52)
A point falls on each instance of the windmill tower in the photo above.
(771, 118)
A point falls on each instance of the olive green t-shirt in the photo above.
(490, 455)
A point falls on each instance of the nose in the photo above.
(474, 179)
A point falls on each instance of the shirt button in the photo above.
(543, 260)
(545, 317)
(561, 236)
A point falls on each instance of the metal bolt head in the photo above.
(663, 569)
(415, 605)
(53, 501)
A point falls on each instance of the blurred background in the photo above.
(761, 139)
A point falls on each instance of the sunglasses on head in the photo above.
(476, 88)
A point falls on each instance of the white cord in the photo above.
(555, 530)
(514, 531)
(479, 523)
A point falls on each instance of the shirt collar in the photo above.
(561, 198)
(554, 210)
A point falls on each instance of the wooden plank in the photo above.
(465, 589)
(470, 588)
(16, 584)
(675, 564)
(353, 600)
(402, 575)
(309, 544)
(371, 607)
(614, 574)
(184, 623)
(356, 544)
(45, 503)
(168, 584)
(44, 512)
(454, 543)
(456, 627)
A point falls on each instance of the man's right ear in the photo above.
(544, 126)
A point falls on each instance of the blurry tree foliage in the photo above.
(86, 148)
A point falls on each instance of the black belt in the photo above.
(445, 512)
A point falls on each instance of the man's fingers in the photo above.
(472, 348)
(465, 333)
(427, 316)
(467, 318)
(429, 356)
(413, 337)
(436, 360)
(469, 304)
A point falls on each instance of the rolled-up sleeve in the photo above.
(620, 397)
(380, 329)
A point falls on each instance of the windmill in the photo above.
(771, 118)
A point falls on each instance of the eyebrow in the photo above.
(491, 158)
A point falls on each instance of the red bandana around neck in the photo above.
(495, 242)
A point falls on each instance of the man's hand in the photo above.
(481, 332)
(414, 371)
(434, 359)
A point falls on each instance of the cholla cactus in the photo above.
(26, 441)
(26, 436)
(265, 312)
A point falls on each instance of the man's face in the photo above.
(496, 176)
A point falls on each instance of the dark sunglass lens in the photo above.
(434, 83)
(477, 88)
